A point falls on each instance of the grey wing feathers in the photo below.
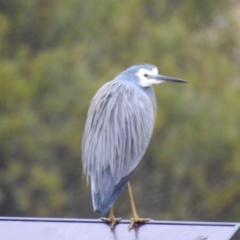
(117, 132)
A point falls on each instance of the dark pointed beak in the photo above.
(168, 79)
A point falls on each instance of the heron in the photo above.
(117, 132)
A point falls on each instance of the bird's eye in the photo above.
(145, 75)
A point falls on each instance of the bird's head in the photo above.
(147, 74)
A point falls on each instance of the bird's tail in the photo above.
(103, 197)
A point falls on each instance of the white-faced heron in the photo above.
(118, 129)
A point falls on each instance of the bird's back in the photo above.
(117, 132)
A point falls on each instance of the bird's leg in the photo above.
(135, 219)
(111, 219)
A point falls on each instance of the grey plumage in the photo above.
(117, 132)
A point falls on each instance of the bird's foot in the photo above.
(111, 220)
(137, 220)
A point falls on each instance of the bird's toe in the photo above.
(138, 220)
(112, 220)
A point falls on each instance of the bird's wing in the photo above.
(117, 132)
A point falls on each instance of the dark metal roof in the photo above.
(12, 228)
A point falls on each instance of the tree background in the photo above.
(54, 55)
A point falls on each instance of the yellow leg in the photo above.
(135, 219)
(111, 219)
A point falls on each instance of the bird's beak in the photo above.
(162, 78)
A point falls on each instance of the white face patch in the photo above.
(145, 77)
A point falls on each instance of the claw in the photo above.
(111, 220)
(135, 219)
(138, 220)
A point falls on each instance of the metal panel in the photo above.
(84, 229)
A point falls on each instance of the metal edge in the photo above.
(236, 225)
(234, 230)
(236, 234)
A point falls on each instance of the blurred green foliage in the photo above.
(54, 55)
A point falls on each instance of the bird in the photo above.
(117, 132)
